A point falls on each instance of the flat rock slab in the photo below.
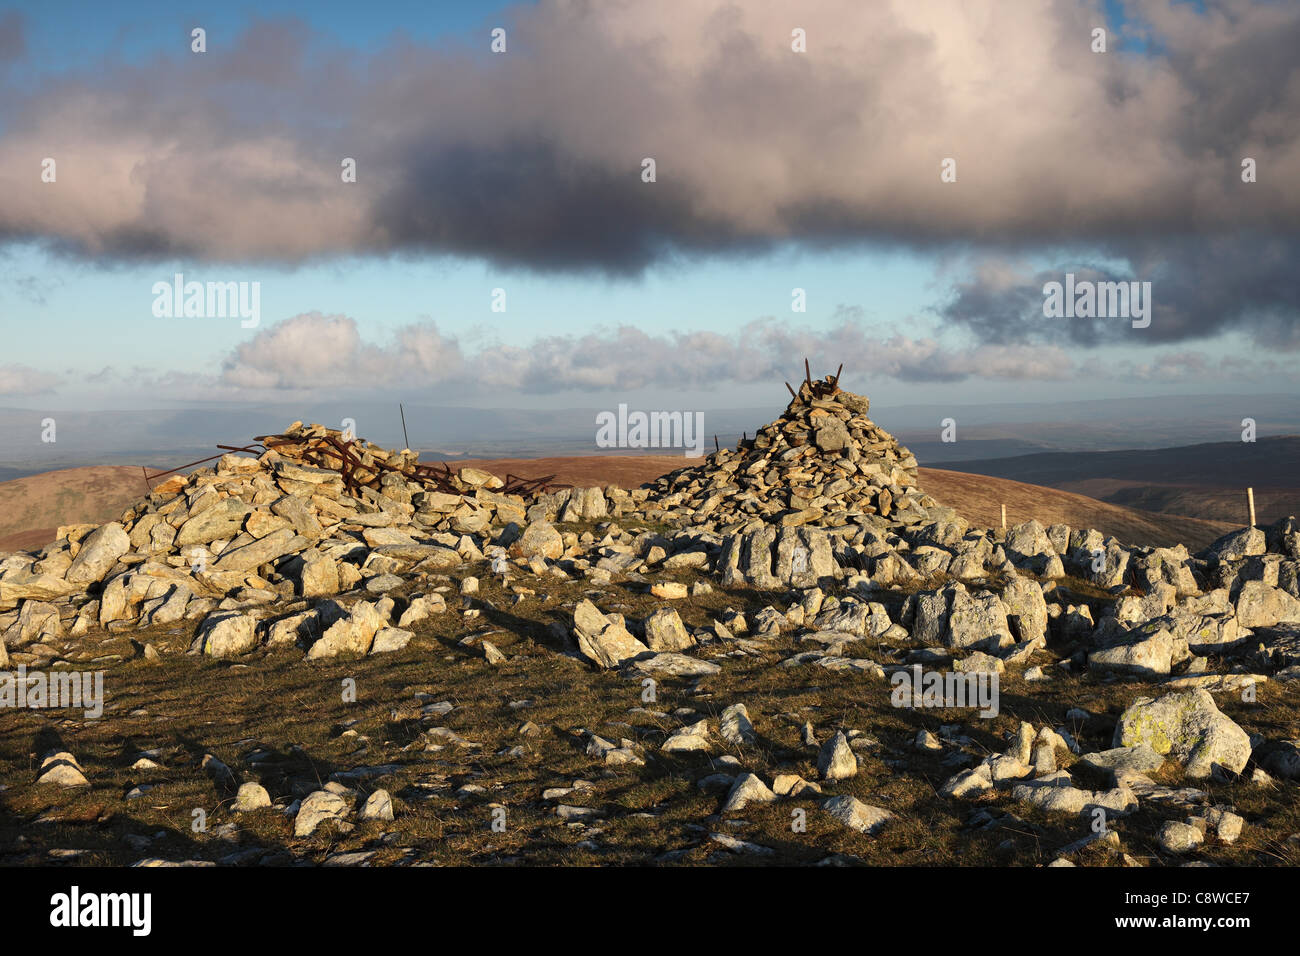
(1137, 759)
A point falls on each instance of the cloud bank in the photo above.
(533, 157)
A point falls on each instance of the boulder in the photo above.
(99, 552)
(604, 643)
(226, 634)
(1261, 605)
(219, 521)
(251, 796)
(318, 807)
(1237, 545)
(664, 631)
(836, 761)
(540, 540)
(856, 815)
(1141, 654)
(746, 790)
(1188, 727)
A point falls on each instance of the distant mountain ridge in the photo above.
(1206, 481)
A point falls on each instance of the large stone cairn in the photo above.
(822, 463)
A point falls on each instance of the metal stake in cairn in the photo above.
(822, 388)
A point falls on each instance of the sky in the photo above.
(502, 247)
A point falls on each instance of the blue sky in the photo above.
(78, 35)
(920, 298)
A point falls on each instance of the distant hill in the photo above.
(32, 508)
(979, 499)
(1205, 481)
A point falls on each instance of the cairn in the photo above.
(822, 463)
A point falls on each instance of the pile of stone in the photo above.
(254, 532)
(822, 463)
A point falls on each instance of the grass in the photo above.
(295, 712)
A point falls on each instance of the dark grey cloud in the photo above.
(1200, 286)
(530, 205)
(533, 157)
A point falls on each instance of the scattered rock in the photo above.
(856, 815)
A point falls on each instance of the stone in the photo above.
(540, 540)
(319, 576)
(694, 737)
(226, 634)
(975, 619)
(969, 783)
(1260, 605)
(856, 815)
(1050, 796)
(1044, 759)
(1026, 610)
(222, 520)
(317, 808)
(1148, 656)
(792, 785)
(604, 643)
(612, 755)
(260, 551)
(1227, 825)
(61, 769)
(352, 634)
(669, 590)
(736, 726)
(390, 639)
(664, 631)
(1029, 548)
(299, 514)
(1136, 759)
(420, 608)
(836, 761)
(99, 552)
(746, 790)
(734, 845)
(1176, 837)
(38, 622)
(1022, 745)
(1237, 545)
(1004, 768)
(1189, 727)
(378, 806)
(251, 796)
(831, 435)
(678, 665)
(17, 584)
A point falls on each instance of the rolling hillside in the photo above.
(1206, 481)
